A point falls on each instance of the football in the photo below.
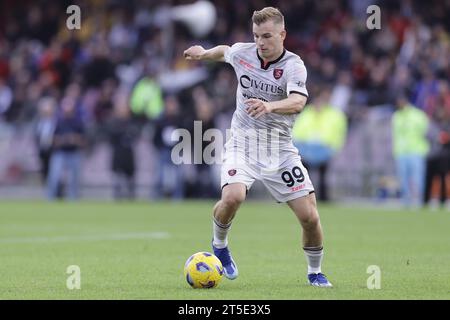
(203, 270)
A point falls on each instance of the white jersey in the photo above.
(268, 82)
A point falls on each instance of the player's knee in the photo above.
(233, 200)
(310, 219)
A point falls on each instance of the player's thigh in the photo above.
(305, 208)
(236, 180)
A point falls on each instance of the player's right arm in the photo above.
(199, 53)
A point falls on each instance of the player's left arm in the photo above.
(293, 104)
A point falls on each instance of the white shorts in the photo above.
(289, 181)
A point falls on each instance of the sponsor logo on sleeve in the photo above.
(301, 84)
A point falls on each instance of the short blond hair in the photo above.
(266, 14)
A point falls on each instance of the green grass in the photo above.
(112, 245)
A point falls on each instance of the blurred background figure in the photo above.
(437, 182)
(319, 133)
(122, 135)
(6, 98)
(204, 108)
(65, 162)
(170, 177)
(44, 131)
(410, 147)
(146, 99)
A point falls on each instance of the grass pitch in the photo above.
(137, 251)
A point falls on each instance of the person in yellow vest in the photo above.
(319, 132)
(146, 99)
(410, 148)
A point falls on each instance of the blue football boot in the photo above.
(229, 266)
(319, 280)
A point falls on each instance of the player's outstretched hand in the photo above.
(256, 108)
(194, 53)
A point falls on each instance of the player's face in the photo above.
(269, 38)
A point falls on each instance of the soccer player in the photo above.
(271, 93)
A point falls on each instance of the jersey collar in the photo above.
(267, 65)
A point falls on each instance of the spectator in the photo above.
(6, 96)
(122, 136)
(44, 130)
(67, 143)
(410, 147)
(146, 98)
(426, 90)
(342, 92)
(170, 180)
(100, 67)
(438, 160)
(204, 112)
(319, 132)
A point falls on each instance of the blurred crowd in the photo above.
(124, 71)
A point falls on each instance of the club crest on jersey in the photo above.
(232, 172)
(277, 73)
